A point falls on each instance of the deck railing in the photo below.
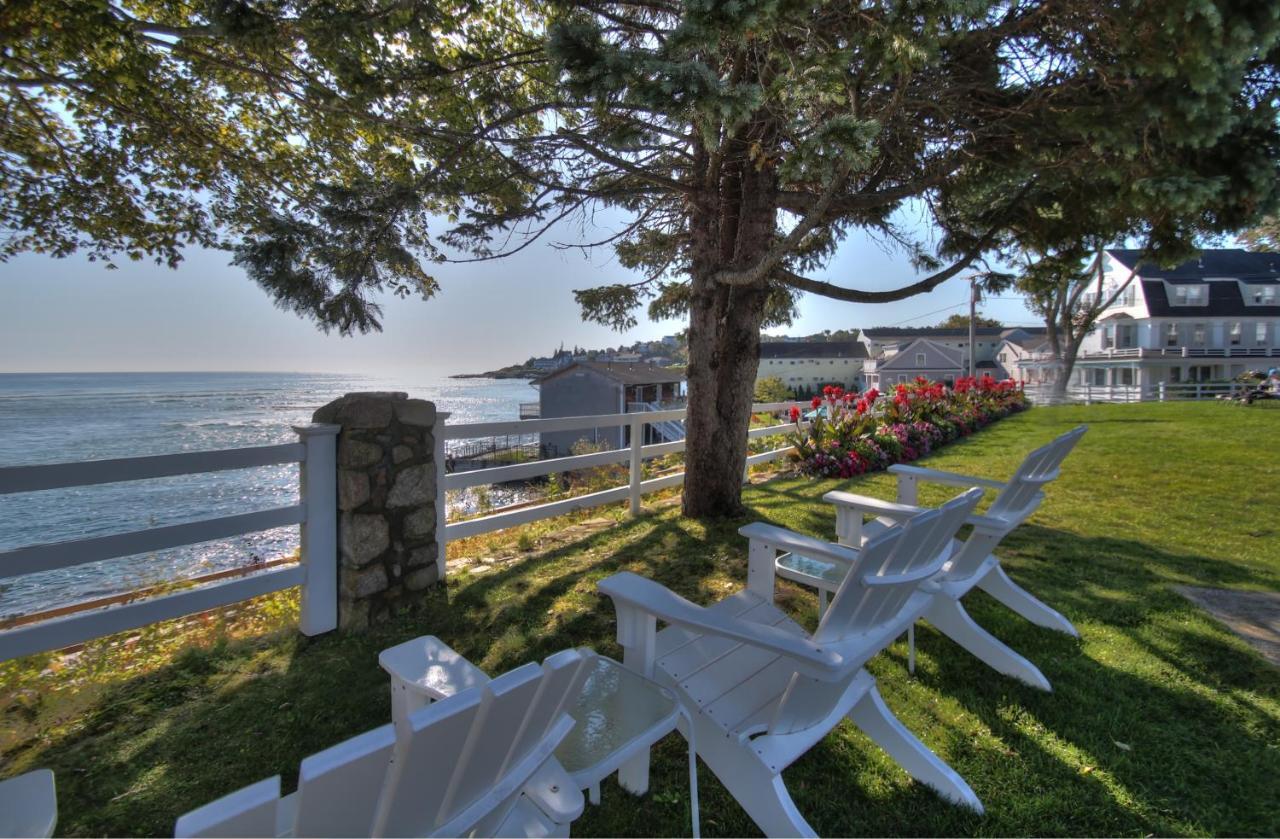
(634, 456)
(316, 513)
(1154, 392)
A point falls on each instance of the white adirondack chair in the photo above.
(969, 562)
(760, 690)
(29, 804)
(475, 764)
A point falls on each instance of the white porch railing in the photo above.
(1157, 392)
(634, 456)
(316, 512)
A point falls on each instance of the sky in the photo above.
(70, 315)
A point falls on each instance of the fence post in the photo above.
(637, 441)
(1198, 389)
(318, 488)
(1162, 392)
(437, 437)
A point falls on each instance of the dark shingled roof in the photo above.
(1225, 300)
(627, 374)
(1220, 262)
(813, 349)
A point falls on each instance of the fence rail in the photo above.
(634, 456)
(1153, 392)
(316, 513)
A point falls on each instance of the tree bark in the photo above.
(732, 225)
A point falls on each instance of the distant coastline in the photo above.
(515, 371)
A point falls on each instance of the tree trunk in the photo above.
(730, 226)
(1068, 358)
(724, 350)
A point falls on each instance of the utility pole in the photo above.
(973, 318)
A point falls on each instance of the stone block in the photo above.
(416, 412)
(400, 454)
(413, 486)
(421, 578)
(357, 454)
(353, 489)
(418, 557)
(420, 523)
(362, 538)
(361, 584)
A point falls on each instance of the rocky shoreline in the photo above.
(515, 371)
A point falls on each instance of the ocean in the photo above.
(54, 418)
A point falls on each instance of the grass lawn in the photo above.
(1161, 721)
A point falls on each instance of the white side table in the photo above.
(619, 714)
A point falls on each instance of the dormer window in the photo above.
(1260, 295)
(920, 359)
(1190, 295)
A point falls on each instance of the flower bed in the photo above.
(851, 434)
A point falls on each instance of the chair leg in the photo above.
(950, 618)
(765, 798)
(997, 584)
(911, 649)
(878, 722)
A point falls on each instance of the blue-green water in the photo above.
(54, 418)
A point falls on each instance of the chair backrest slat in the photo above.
(339, 788)
(250, 811)
(424, 765)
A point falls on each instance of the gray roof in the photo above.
(882, 332)
(626, 373)
(1219, 262)
(813, 349)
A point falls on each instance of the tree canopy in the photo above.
(959, 321)
(338, 145)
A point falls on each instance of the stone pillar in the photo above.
(387, 504)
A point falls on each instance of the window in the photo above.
(1126, 376)
(1260, 334)
(902, 379)
(1108, 336)
(1261, 295)
(1175, 374)
(1190, 295)
(1099, 376)
(1197, 335)
(920, 360)
(1171, 335)
(1237, 332)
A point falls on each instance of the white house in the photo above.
(900, 354)
(809, 365)
(1210, 318)
(901, 363)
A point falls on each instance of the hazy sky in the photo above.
(71, 315)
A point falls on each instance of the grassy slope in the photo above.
(1161, 721)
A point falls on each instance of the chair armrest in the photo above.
(937, 477)
(874, 506)
(651, 598)
(782, 539)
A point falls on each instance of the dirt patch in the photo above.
(1253, 615)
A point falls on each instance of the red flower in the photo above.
(872, 395)
(795, 414)
(817, 402)
(861, 407)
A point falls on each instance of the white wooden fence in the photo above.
(1155, 392)
(316, 512)
(634, 456)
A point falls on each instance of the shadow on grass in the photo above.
(1192, 704)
